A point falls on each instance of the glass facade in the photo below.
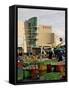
(32, 31)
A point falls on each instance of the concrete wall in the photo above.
(45, 36)
(21, 36)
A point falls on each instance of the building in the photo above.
(45, 36)
(22, 36)
(31, 33)
(32, 37)
(37, 36)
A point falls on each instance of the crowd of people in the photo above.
(59, 54)
(52, 53)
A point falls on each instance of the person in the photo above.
(60, 54)
(50, 54)
(55, 53)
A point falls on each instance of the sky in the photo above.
(54, 18)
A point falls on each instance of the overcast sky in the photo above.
(55, 18)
